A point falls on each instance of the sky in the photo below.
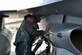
(23, 4)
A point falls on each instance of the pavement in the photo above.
(12, 46)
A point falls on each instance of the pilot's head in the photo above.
(30, 18)
(33, 18)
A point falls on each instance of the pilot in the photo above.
(26, 35)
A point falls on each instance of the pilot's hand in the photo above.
(36, 25)
(47, 29)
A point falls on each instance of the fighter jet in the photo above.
(64, 20)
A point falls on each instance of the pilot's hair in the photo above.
(28, 16)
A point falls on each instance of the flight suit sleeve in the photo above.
(33, 31)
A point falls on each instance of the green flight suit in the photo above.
(25, 38)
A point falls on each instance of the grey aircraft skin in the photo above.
(64, 19)
(5, 38)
